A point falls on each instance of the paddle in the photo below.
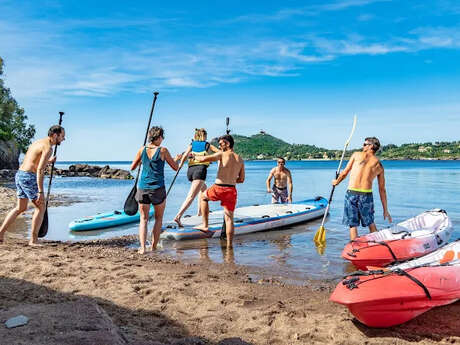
(227, 120)
(320, 236)
(44, 227)
(131, 205)
(174, 179)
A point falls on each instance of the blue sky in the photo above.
(296, 69)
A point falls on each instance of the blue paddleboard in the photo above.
(105, 220)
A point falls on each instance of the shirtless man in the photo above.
(29, 181)
(229, 173)
(359, 202)
(283, 179)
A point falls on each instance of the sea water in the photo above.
(412, 187)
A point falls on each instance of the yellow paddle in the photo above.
(320, 236)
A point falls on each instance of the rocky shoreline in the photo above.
(78, 170)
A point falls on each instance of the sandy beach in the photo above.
(103, 292)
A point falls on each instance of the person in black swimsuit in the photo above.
(197, 171)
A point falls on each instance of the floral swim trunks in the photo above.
(26, 185)
(279, 195)
(358, 208)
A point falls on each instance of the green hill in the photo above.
(266, 146)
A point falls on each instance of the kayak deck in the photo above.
(248, 219)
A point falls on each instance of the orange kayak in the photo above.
(394, 295)
(409, 239)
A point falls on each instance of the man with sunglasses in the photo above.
(363, 167)
(282, 180)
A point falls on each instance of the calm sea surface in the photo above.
(412, 187)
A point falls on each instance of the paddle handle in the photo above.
(155, 95)
(61, 114)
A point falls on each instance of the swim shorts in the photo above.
(151, 196)
(226, 194)
(358, 208)
(26, 185)
(279, 195)
(197, 172)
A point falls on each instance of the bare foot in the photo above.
(35, 244)
(141, 250)
(204, 229)
(179, 224)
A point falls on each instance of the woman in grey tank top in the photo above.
(151, 186)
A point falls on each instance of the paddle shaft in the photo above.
(61, 113)
(147, 132)
(337, 173)
(227, 121)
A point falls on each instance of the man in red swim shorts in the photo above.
(229, 173)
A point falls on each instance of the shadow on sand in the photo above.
(436, 324)
(69, 319)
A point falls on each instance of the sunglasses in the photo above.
(367, 144)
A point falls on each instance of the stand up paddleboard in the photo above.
(105, 220)
(248, 219)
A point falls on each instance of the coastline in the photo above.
(154, 300)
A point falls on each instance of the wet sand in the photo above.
(68, 288)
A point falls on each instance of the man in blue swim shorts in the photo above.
(363, 167)
(29, 181)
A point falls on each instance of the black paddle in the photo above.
(44, 227)
(131, 205)
(227, 120)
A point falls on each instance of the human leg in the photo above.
(203, 188)
(195, 188)
(229, 226)
(144, 211)
(351, 214)
(353, 232)
(372, 227)
(37, 220)
(156, 231)
(21, 206)
(204, 212)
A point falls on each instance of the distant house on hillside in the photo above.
(424, 149)
(262, 132)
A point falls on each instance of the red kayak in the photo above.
(409, 239)
(394, 295)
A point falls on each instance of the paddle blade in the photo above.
(44, 227)
(320, 236)
(131, 205)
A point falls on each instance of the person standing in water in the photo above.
(29, 181)
(363, 167)
(151, 186)
(282, 180)
(196, 172)
(229, 173)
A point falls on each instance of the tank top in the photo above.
(152, 176)
(199, 148)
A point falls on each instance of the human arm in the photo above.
(241, 174)
(211, 158)
(213, 148)
(345, 171)
(269, 178)
(289, 181)
(383, 195)
(185, 155)
(137, 159)
(167, 157)
(52, 160)
(41, 173)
